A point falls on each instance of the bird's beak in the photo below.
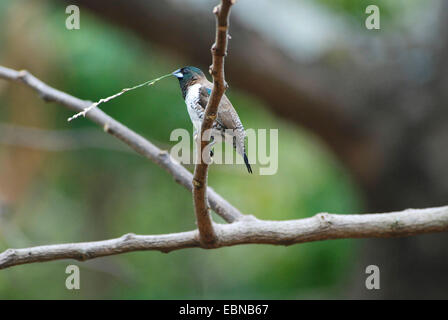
(178, 74)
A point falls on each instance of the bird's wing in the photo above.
(204, 94)
(227, 114)
(227, 118)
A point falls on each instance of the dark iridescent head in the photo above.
(188, 74)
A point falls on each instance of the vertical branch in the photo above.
(207, 234)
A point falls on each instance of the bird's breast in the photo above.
(195, 111)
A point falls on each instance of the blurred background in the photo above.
(362, 122)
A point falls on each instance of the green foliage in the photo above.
(357, 8)
(355, 11)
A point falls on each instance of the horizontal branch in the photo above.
(134, 140)
(322, 226)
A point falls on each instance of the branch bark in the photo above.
(219, 50)
(322, 226)
(142, 146)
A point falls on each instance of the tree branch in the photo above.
(244, 231)
(134, 140)
(219, 50)
(322, 226)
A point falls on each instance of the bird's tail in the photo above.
(238, 144)
(246, 161)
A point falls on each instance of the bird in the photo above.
(196, 91)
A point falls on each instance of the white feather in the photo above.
(192, 101)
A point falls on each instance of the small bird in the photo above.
(196, 90)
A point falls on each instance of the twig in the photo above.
(134, 140)
(322, 226)
(95, 104)
(219, 50)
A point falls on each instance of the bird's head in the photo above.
(188, 74)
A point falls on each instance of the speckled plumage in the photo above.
(196, 90)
